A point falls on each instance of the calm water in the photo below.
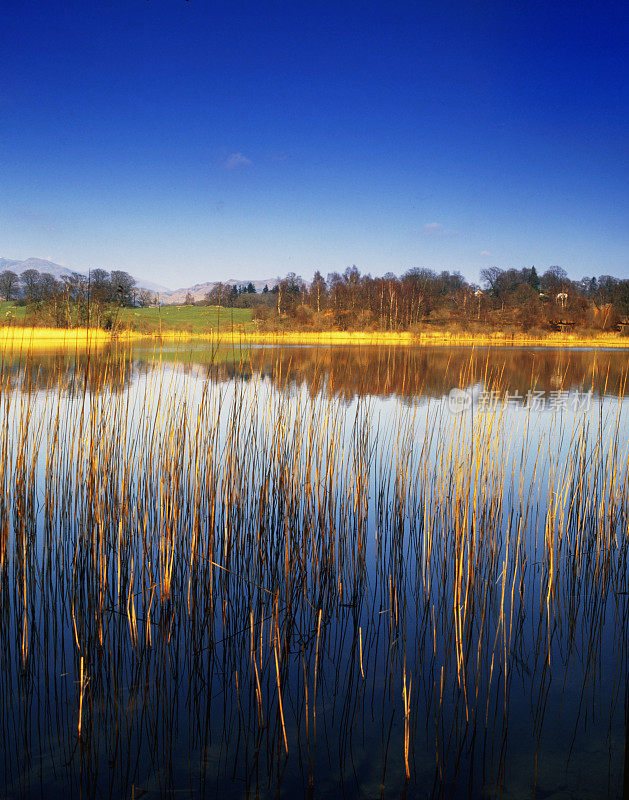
(314, 572)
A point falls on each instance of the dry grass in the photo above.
(43, 338)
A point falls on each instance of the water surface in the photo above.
(314, 571)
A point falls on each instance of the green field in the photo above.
(195, 319)
(9, 312)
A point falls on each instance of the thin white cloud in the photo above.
(485, 253)
(437, 229)
(433, 227)
(236, 160)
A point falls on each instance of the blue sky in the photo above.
(194, 140)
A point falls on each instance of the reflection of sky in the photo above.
(532, 436)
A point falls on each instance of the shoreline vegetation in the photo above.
(419, 305)
(12, 337)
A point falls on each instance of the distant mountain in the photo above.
(57, 271)
(199, 290)
(166, 296)
(40, 264)
(158, 288)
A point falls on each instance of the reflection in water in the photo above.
(343, 372)
(257, 575)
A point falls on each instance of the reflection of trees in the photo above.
(342, 372)
(348, 372)
(69, 373)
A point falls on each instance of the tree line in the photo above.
(519, 299)
(74, 299)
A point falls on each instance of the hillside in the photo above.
(199, 290)
(40, 264)
(43, 266)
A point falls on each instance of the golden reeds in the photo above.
(264, 567)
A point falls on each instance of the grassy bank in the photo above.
(24, 338)
(27, 337)
(236, 325)
(432, 338)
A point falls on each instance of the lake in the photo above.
(319, 572)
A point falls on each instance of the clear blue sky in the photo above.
(190, 141)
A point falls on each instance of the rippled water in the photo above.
(311, 571)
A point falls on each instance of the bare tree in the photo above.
(30, 281)
(123, 287)
(145, 298)
(9, 283)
